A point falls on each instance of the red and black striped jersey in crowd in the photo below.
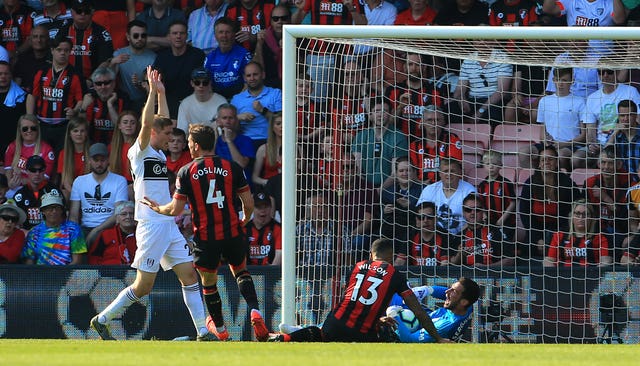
(349, 114)
(410, 115)
(497, 195)
(55, 91)
(522, 13)
(329, 12)
(368, 293)
(310, 117)
(211, 184)
(482, 246)
(192, 4)
(263, 242)
(427, 253)
(570, 250)
(253, 20)
(16, 26)
(91, 47)
(427, 158)
(100, 124)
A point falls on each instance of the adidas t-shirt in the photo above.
(97, 201)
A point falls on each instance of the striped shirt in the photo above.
(483, 81)
(200, 32)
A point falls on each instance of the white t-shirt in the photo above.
(448, 210)
(192, 111)
(149, 170)
(98, 204)
(602, 108)
(561, 116)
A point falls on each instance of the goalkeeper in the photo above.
(451, 320)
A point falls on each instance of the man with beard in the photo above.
(130, 62)
(256, 104)
(94, 195)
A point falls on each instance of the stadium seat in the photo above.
(474, 136)
(579, 176)
(507, 132)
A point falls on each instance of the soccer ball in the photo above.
(406, 316)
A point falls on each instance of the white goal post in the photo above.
(545, 301)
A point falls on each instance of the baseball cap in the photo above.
(35, 161)
(200, 73)
(261, 198)
(84, 4)
(98, 149)
(22, 216)
(51, 198)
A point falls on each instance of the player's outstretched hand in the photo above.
(151, 203)
(389, 322)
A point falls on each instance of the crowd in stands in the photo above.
(375, 161)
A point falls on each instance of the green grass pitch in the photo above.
(120, 353)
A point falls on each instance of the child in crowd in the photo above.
(498, 195)
(177, 156)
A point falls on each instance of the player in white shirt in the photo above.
(448, 194)
(159, 240)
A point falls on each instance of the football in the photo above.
(409, 319)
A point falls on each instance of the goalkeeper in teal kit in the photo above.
(451, 320)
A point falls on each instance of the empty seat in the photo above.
(506, 132)
(472, 134)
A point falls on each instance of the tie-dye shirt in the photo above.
(54, 245)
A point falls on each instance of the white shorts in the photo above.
(159, 244)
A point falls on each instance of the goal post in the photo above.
(523, 301)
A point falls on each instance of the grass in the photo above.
(90, 353)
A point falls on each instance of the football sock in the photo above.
(125, 298)
(247, 289)
(193, 300)
(214, 304)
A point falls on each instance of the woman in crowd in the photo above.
(26, 144)
(123, 138)
(582, 244)
(268, 157)
(71, 160)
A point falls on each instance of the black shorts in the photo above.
(207, 254)
(333, 330)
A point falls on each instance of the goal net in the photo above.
(389, 131)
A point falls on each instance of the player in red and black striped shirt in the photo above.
(212, 185)
(371, 286)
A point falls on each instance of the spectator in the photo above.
(57, 92)
(178, 156)
(269, 155)
(398, 200)
(418, 13)
(159, 18)
(130, 62)
(114, 16)
(349, 103)
(11, 237)
(91, 42)
(463, 12)
(480, 244)
(28, 197)
(376, 147)
(428, 246)
(376, 12)
(95, 195)
(482, 87)
(55, 241)
(4, 188)
(54, 15)
(176, 64)
(71, 160)
(585, 78)
(268, 50)
(13, 102)
(498, 195)
(600, 113)
(256, 104)
(200, 106)
(435, 144)
(527, 88)
(187, 6)
(102, 105)
(201, 23)
(226, 63)
(263, 234)
(607, 192)
(311, 119)
(545, 202)
(447, 194)
(16, 23)
(626, 137)
(231, 144)
(123, 138)
(513, 13)
(36, 57)
(582, 244)
(253, 16)
(116, 245)
(26, 144)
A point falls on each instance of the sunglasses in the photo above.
(138, 35)
(29, 128)
(101, 83)
(275, 18)
(201, 82)
(83, 11)
(9, 218)
(36, 170)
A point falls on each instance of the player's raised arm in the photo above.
(148, 111)
(411, 301)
